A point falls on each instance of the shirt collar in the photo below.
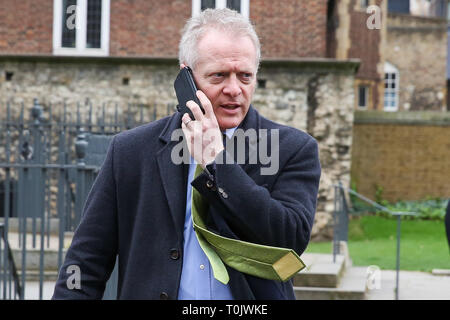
(229, 132)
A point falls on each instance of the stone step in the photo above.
(33, 250)
(353, 286)
(320, 271)
(33, 259)
(440, 272)
(34, 275)
(51, 224)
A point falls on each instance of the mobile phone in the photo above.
(185, 90)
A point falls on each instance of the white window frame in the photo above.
(391, 69)
(245, 6)
(81, 30)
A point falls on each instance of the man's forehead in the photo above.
(217, 38)
(216, 47)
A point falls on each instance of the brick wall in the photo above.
(405, 154)
(366, 45)
(365, 42)
(147, 28)
(288, 28)
(349, 37)
(26, 26)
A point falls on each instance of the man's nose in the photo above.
(232, 87)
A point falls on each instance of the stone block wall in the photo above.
(420, 42)
(316, 96)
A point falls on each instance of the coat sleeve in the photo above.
(94, 245)
(281, 217)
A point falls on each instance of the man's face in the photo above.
(226, 73)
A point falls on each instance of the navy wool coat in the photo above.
(136, 210)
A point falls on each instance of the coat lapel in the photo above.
(173, 176)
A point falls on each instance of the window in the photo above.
(363, 4)
(242, 6)
(234, 4)
(81, 27)
(391, 81)
(208, 4)
(363, 96)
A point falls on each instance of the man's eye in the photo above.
(218, 74)
(246, 76)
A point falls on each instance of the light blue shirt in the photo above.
(197, 278)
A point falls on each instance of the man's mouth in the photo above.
(230, 106)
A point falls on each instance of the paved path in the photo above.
(413, 286)
(32, 290)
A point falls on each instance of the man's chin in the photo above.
(229, 123)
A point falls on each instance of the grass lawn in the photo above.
(373, 241)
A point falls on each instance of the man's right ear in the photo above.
(182, 66)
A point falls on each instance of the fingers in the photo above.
(185, 120)
(206, 104)
(190, 126)
(196, 111)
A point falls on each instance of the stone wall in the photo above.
(318, 99)
(417, 47)
(406, 154)
(316, 96)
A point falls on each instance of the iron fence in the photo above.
(48, 163)
(9, 280)
(341, 221)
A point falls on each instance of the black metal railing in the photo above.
(9, 279)
(48, 164)
(341, 220)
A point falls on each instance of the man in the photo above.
(140, 205)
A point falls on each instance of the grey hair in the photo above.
(226, 20)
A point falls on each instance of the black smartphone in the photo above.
(185, 90)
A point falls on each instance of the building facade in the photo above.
(113, 53)
(321, 60)
(402, 46)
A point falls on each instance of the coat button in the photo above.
(223, 193)
(164, 296)
(174, 254)
(209, 184)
